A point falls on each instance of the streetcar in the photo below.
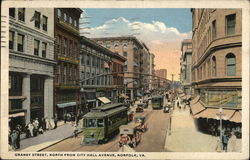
(157, 102)
(103, 122)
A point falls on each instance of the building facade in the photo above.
(66, 73)
(31, 64)
(186, 64)
(216, 64)
(96, 62)
(131, 49)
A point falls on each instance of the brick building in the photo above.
(216, 66)
(67, 41)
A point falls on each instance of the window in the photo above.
(59, 45)
(37, 19)
(64, 74)
(59, 13)
(214, 30)
(44, 48)
(70, 48)
(11, 39)
(230, 24)
(21, 14)
(36, 47)
(93, 61)
(12, 12)
(70, 73)
(108, 45)
(75, 23)
(125, 54)
(88, 60)
(82, 60)
(65, 17)
(15, 86)
(70, 21)
(124, 47)
(231, 64)
(20, 42)
(45, 23)
(58, 73)
(75, 73)
(76, 50)
(116, 45)
(213, 66)
(65, 46)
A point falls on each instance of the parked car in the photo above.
(129, 136)
(139, 108)
(166, 109)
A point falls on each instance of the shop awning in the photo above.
(17, 97)
(16, 114)
(188, 96)
(124, 96)
(197, 107)
(104, 100)
(63, 105)
(236, 117)
(195, 100)
(212, 113)
(91, 100)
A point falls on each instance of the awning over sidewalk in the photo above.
(195, 100)
(212, 113)
(124, 96)
(63, 105)
(188, 96)
(197, 107)
(20, 114)
(104, 100)
(236, 117)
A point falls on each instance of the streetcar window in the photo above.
(100, 123)
(91, 122)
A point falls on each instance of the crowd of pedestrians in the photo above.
(32, 129)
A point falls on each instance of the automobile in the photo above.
(140, 124)
(166, 109)
(129, 135)
(139, 108)
(145, 101)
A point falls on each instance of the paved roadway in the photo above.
(153, 140)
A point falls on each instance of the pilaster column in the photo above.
(48, 97)
(26, 92)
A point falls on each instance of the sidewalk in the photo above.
(185, 138)
(34, 144)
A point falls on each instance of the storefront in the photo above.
(17, 118)
(66, 108)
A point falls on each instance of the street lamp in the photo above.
(220, 116)
(81, 91)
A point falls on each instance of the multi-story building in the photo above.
(161, 73)
(186, 64)
(216, 64)
(152, 84)
(130, 48)
(66, 74)
(96, 61)
(162, 82)
(145, 69)
(31, 63)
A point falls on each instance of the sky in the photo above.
(161, 29)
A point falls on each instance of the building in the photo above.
(66, 73)
(152, 84)
(132, 49)
(216, 67)
(186, 64)
(31, 63)
(96, 62)
(145, 69)
(161, 73)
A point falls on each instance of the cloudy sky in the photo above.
(161, 29)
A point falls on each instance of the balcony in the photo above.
(68, 27)
(67, 59)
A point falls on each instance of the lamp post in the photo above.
(220, 115)
(81, 92)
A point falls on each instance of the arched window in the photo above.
(213, 66)
(231, 64)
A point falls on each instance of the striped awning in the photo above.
(104, 100)
(236, 117)
(213, 113)
(195, 100)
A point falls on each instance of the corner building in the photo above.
(66, 78)
(216, 67)
(31, 63)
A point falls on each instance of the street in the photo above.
(153, 140)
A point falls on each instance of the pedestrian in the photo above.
(35, 124)
(27, 132)
(55, 121)
(14, 139)
(232, 147)
(225, 141)
(43, 123)
(31, 128)
(19, 130)
(75, 130)
(48, 124)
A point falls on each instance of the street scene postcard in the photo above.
(125, 79)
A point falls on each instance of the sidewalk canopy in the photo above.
(212, 113)
(195, 100)
(124, 96)
(104, 100)
(236, 117)
(63, 105)
(197, 107)
(188, 96)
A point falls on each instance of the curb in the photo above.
(58, 142)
